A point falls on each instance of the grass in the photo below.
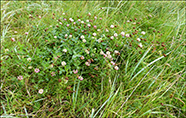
(150, 84)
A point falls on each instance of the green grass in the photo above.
(146, 85)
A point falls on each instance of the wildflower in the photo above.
(108, 53)
(36, 70)
(99, 40)
(65, 50)
(112, 26)
(87, 63)
(127, 35)
(112, 37)
(87, 51)
(103, 35)
(143, 33)
(20, 77)
(128, 21)
(13, 39)
(66, 35)
(26, 33)
(109, 56)
(55, 37)
(82, 22)
(29, 59)
(98, 30)
(88, 25)
(106, 30)
(79, 20)
(82, 37)
(115, 34)
(51, 65)
(138, 39)
(140, 45)
(40, 91)
(95, 17)
(53, 74)
(64, 19)
(95, 26)
(80, 77)
(116, 52)
(39, 17)
(6, 50)
(74, 23)
(82, 57)
(100, 18)
(68, 25)
(60, 23)
(112, 63)
(87, 20)
(123, 33)
(15, 32)
(70, 36)
(63, 13)
(89, 14)
(102, 53)
(75, 71)
(30, 67)
(134, 23)
(71, 19)
(116, 68)
(84, 40)
(94, 34)
(63, 63)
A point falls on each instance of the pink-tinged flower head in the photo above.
(94, 34)
(112, 37)
(115, 34)
(68, 25)
(95, 17)
(74, 23)
(113, 63)
(87, 63)
(36, 70)
(138, 39)
(112, 26)
(82, 57)
(100, 18)
(88, 25)
(95, 26)
(26, 33)
(40, 91)
(80, 77)
(127, 35)
(13, 39)
(140, 45)
(60, 23)
(20, 77)
(79, 20)
(53, 74)
(116, 68)
(75, 71)
(122, 33)
(64, 19)
(143, 33)
(106, 30)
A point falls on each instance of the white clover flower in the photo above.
(87, 51)
(6, 50)
(94, 34)
(26, 33)
(116, 68)
(80, 77)
(143, 33)
(51, 65)
(65, 50)
(84, 41)
(88, 25)
(112, 26)
(66, 35)
(99, 40)
(79, 20)
(15, 32)
(89, 14)
(71, 19)
(123, 33)
(134, 23)
(30, 67)
(87, 20)
(74, 23)
(98, 30)
(60, 23)
(128, 21)
(138, 39)
(112, 37)
(113, 63)
(87, 63)
(40, 91)
(82, 22)
(82, 37)
(70, 36)
(127, 35)
(103, 35)
(108, 52)
(13, 39)
(106, 30)
(115, 34)
(68, 25)
(102, 53)
(63, 13)
(95, 17)
(109, 56)
(55, 37)
(20, 77)
(116, 52)
(63, 63)
(29, 59)
(140, 45)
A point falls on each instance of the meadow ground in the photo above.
(93, 59)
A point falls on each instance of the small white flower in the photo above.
(74, 23)
(138, 39)
(113, 63)
(84, 40)
(70, 36)
(71, 19)
(123, 33)
(30, 67)
(40, 17)
(112, 37)
(108, 53)
(40, 91)
(103, 35)
(95, 17)
(80, 77)
(68, 25)
(65, 50)
(98, 30)
(66, 35)
(128, 21)
(87, 20)
(6, 50)
(79, 20)
(127, 35)
(82, 37)
(55, 37)
(29, 59)
(134, 23)
(63, 63)
(115, 34)
(109, 56)
(116, 68)
(94, 34)
(112, 26)
(89, 14)
(87, 51)
(106, 30)
(26, 33)
(87, 63)
(82, 22)
(60, 23)
(102, 53)
(63, 13)
(88, 25)
(15, 32)
(143, 33)
(116, 52)
(99, 40)
(51, 65)
(140, 45)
